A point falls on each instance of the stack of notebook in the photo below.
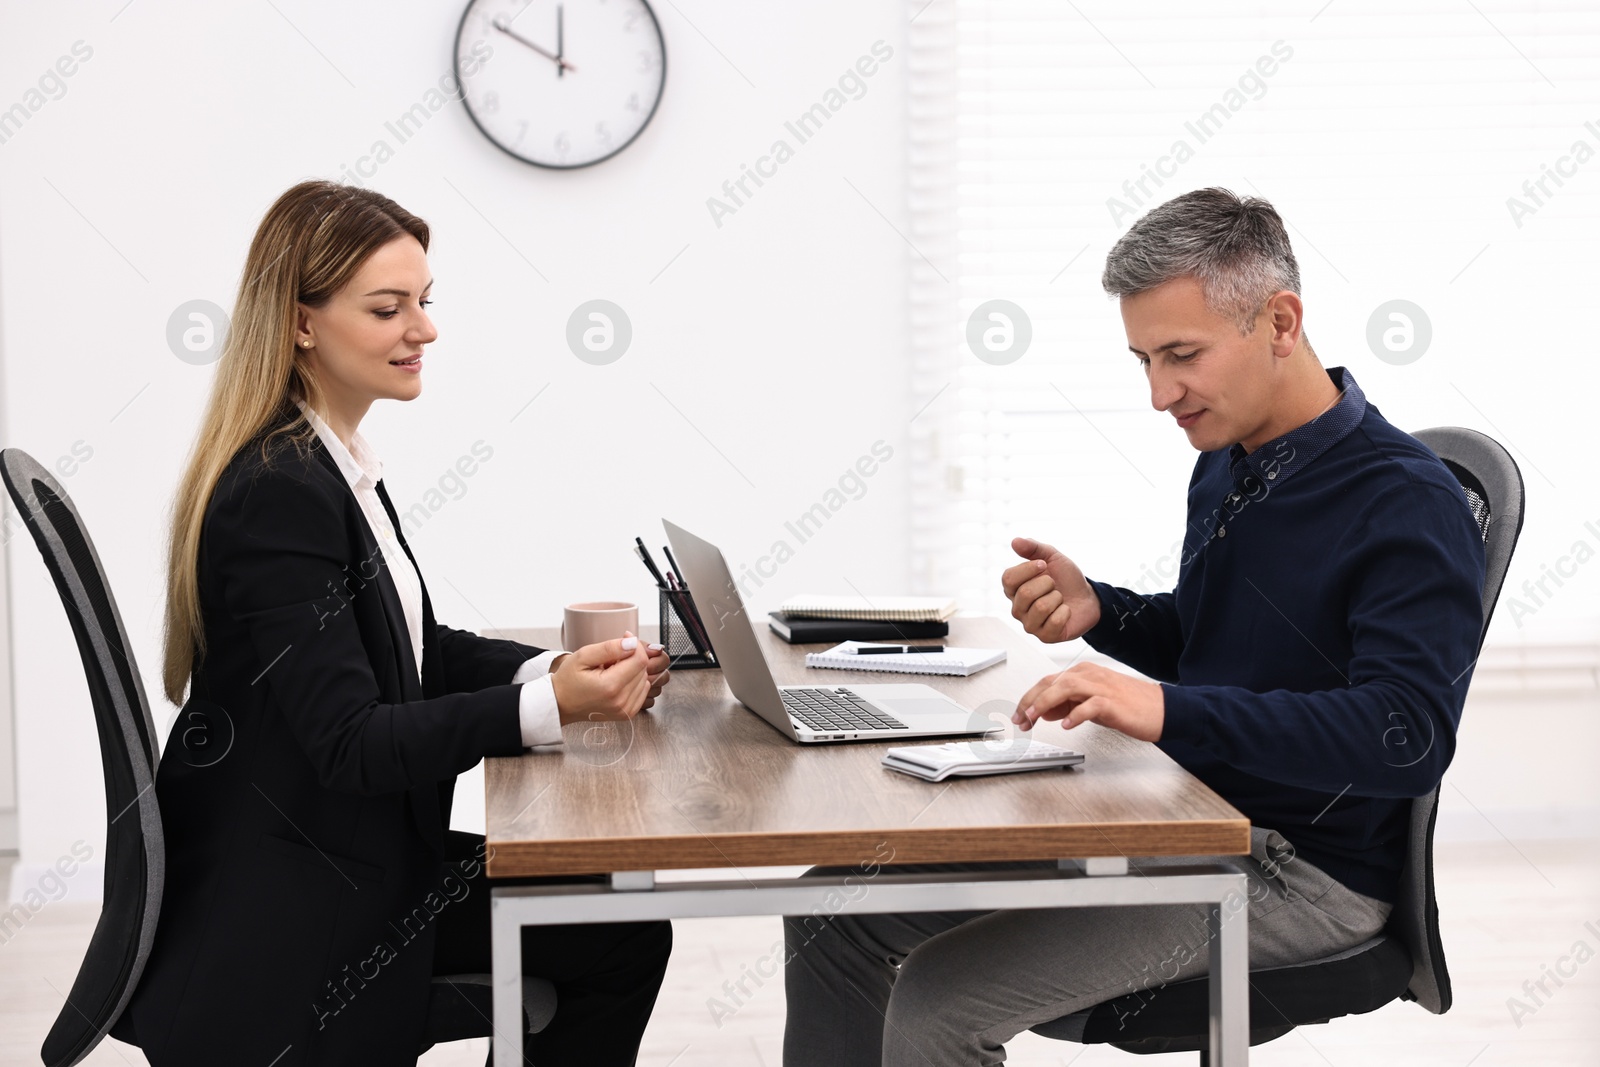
(810, 618)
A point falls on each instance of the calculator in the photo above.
(970, 759)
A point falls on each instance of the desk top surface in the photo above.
(700, 781)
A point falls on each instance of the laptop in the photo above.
(809, 714)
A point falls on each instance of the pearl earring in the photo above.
(305, 344)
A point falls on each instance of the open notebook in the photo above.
(958, 661)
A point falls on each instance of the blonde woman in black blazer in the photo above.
(312, 887)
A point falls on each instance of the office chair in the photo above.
(1406, 960)
(460, 1005)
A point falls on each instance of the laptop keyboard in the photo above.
(832, 710)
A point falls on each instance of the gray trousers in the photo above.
(937, 988)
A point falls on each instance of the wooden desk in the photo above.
(700, 781)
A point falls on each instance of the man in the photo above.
(1310, 667)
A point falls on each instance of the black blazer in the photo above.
(305, 786)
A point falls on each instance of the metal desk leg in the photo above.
(505, 947)
(1213, 885)
(1229, 984)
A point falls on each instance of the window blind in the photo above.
(1390, 139)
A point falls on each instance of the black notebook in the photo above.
(798, 631)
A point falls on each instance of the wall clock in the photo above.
(560, 83)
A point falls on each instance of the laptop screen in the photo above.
(729, 627)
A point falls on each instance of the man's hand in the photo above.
(609, 680)
(1089, 692)
(1049, 594)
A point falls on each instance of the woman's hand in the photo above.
(609, 680)
(656, 672)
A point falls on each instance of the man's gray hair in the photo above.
(1236, 248)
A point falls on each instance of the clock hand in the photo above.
(561, 64)
(560, 44)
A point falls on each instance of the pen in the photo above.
(691, 621)
(677, 571)
(895, 650)
(644, 556)
(675, 576)
(678, 593)
(691, 616)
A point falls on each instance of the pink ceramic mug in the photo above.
(596, 621)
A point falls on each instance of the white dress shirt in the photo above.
(541, 722)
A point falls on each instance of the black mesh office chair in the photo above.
(1406, 960)
(461, 1005)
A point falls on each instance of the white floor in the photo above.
(1509, 910)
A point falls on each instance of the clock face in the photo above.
(560, 83)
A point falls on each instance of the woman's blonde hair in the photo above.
(311, 242)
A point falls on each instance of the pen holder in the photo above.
(683, 633)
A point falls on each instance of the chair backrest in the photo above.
(134, 854)
(1493, 484)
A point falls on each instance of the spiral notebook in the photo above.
(957, 661)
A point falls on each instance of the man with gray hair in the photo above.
(1309, 666)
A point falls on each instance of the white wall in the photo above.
(8, 754)
(139, 188)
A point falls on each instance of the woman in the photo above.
(312, 889)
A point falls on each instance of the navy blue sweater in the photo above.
(1317, 649)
